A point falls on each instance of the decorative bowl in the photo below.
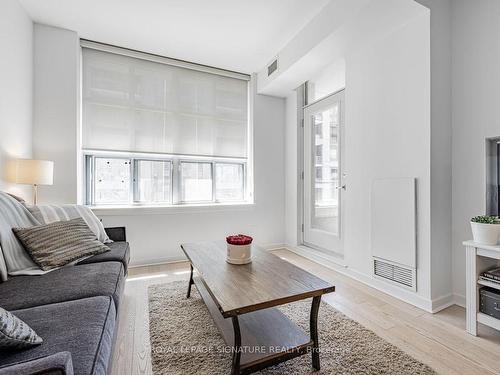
(239, 249)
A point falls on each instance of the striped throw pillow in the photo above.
(57, 244)
(15, 334)
(50, 213)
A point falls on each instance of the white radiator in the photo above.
(393, 230)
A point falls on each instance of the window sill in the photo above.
(169, 210)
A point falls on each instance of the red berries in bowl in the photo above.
(239, 239)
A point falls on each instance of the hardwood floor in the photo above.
(438, 340)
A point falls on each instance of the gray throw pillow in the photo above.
(57, 244)
(15, 334)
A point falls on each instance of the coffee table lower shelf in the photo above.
(267, 336)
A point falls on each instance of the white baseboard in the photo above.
(274, 246)
(433, 306)
(317, 256)
(180, 259)
(442, 302)
(402, 294)
(158, 262)
(459, 300)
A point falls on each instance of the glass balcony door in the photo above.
(323, 173)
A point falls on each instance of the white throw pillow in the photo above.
(47, 214)
(13, 214)
(3, 267)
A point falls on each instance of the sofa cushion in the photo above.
(119, 252)
(54, 364)
(64, 284)
(84, 328)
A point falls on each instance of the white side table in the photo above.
(478, 259)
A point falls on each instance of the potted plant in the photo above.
(485, 229)
(239, 249)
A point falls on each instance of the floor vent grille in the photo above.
(394, 273)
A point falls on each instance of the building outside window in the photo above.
(327, 179)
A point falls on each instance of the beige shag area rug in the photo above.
(184, 340)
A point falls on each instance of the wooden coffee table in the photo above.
(241, 300)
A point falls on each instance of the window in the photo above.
(319, 173)
(333, 173)
(319, 130)
(157, 182)
(196, 182)
(153, 181)
(229, 185)
(155, 132)
(112, 180)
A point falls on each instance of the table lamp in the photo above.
(34, 172)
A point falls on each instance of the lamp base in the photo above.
(35, 195)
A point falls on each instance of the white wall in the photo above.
(56, 109)
(476, 114)
(16, 93)
(308, 51)
(155, 234)
(291, 175)
(441, 179)
(155, 237)
(472, 107)
(340, 27)
(388, 136)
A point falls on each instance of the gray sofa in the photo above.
(75, 311)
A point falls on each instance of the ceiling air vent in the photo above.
(272, 67)
(400, 275)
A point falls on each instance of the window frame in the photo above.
(89, 158)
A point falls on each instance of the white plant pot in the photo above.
(485, 234)
(239, 254)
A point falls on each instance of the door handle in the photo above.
(343, 187)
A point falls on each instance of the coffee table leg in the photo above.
(191, 282)
(313, 326)
(235, 369)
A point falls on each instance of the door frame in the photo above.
(301, 107)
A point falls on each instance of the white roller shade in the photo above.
(131, 104)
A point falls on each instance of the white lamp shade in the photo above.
(34, 172)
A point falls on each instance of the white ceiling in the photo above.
(240, 35)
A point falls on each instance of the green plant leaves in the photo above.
(486, 219)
